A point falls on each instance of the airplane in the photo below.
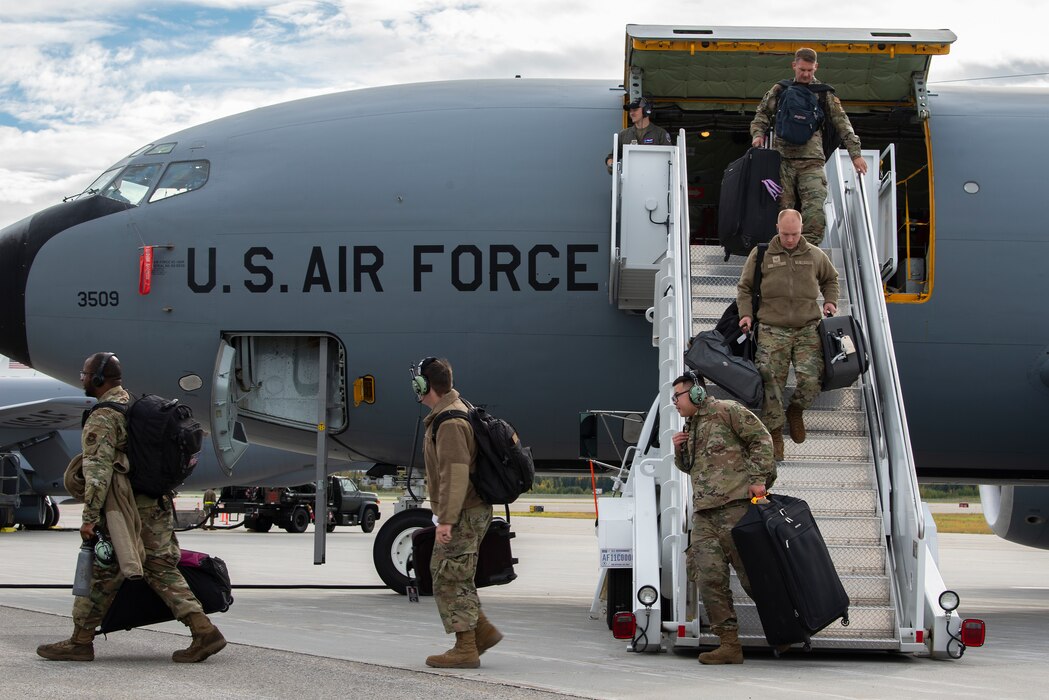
(309, 252)
(40, 433)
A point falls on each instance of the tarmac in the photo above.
(321, 643)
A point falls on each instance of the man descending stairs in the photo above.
(831, 468)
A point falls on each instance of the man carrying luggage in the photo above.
(794, 273)
(641, 132)
(801, 169)
(103, 438)
(728, 454)
(462, 518)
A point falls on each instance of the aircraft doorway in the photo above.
(277, 379)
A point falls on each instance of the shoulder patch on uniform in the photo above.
(91, 439)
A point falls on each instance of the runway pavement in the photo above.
(339, 643)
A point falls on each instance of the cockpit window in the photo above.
(182, 177)
(162, 149)
(132, 185)
(94, 188)
(142, 150)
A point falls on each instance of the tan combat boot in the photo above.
(79, 647)
(777, 444)
(207, 640)
(730, 652)
(486, 634)
(796, 423)
(462, 655)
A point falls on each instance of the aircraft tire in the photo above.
(368, 519)
(393, 546)
(299, 521)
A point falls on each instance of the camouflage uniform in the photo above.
(726, 452)
(449, 461)
(104, 433)
(791, 282)
(801, 170)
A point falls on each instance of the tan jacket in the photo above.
(450, 461)
(121, 520)
(791, 283)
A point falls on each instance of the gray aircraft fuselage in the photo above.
(470, 220)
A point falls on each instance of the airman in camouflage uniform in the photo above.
(794, 273)
(801, 170)
(728, 454)
(104, 436)
(462, 518)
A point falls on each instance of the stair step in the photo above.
(819, 447)
(865, 622)
(863, 591)
(854, 502)
(827, 475)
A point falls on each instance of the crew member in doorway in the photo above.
(462, 517)
(641, 130)
(794, 274)
(150, 529)
(802, 111)
(728, 454)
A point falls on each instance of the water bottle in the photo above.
(82, 579)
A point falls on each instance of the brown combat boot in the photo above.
(777, 444)
(207, 640)
(486, 634)
(730, 652)
(79, 647)
(462, 655)
(796, 423)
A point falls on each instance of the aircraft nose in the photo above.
(14, 271)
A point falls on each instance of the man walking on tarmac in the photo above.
(728, 454)
(793, 275)
(801, 169)
(462, 517)
(103, 441)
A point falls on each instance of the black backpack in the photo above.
(799, 113)
(504, 466)
(163, 442)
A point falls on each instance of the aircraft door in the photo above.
(227, 433)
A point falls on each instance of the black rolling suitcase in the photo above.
(495, 560)
(749, 202)
(844, 351)
(137, 605)
(794, 584)
(711, 356)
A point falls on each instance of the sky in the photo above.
(82, 84)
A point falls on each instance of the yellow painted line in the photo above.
(788, 47)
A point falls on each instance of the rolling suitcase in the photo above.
(794, 584)
(495, 560)
(137, 605)
(844, 351)
(711, 356)
(749, 202)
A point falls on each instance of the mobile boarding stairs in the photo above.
(855, 469)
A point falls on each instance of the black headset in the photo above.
(697, 393)
(420, 384)
(98, 378)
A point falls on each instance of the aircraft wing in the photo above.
(44, 415)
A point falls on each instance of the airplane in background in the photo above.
(311, 251)
(40, 434)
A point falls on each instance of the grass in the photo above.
(962, 523)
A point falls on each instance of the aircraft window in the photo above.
(141, 150)
(100, 182)
(132, 185)
(162, 149)
(180, 178)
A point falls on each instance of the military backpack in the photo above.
(799, 112)
(504, 466)
(163, 442)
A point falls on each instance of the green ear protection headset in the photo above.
(99, 377)
(697, 393)
(420, 385)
